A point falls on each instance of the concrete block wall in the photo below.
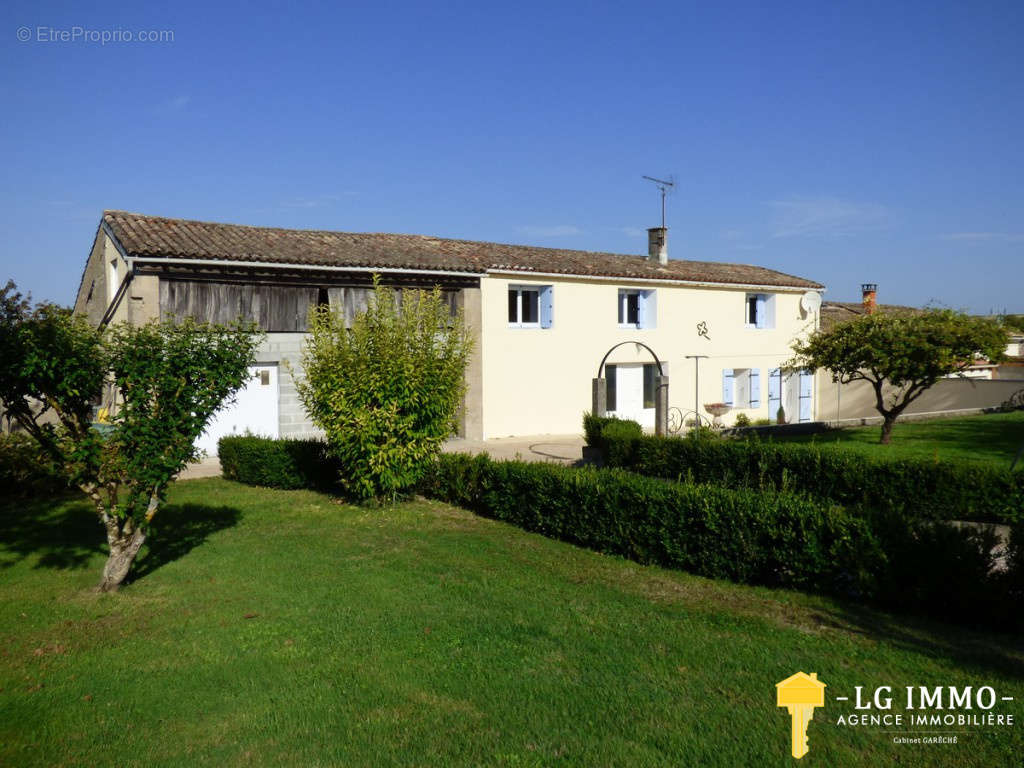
(285, 349)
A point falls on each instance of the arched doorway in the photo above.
(659, 385)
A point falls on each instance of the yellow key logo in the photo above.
(800, 694)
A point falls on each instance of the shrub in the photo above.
(753, 537)
(387, 390)
(742, 420)
(953, 490)
(287, 464)
(25, 471)
(762, 422)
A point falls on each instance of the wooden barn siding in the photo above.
(274, 308)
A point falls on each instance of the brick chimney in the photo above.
(657, 244)
(869, 292)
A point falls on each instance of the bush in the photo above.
(742, 420)
(386, 391)
(287, 464)
(24, 471)
(753, 537)
(930, 489)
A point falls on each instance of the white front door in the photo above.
(254, 410)
(629, 395)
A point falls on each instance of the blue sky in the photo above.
(864, 142)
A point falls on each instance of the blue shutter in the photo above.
(755, 387)
(727, 385)
(641, 314)
(648, 309)
(806, 395)
(761, 310)
(546, 307)
(774, 391)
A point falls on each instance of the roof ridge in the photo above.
(151, 235)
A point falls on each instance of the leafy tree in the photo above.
(387, 391)
(1013, 322)
(170, 378)
(900, 356)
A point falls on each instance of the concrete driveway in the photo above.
(564, 449)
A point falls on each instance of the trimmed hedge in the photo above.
(273, 463)
(932, 489)
(750, 537)
(769, 538)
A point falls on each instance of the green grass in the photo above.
(284, 628)
(990, 437)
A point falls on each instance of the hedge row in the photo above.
(950, 490)
(287, 464)
(773, 538)
(752, 536)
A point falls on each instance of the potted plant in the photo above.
(780, 415)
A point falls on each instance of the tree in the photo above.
(900, 356)
(170, 378)
(387, 391)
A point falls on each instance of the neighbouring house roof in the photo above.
(835, 312)
(156, 237)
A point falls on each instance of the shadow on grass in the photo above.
(64, 533)
(976, 648)
(178, 529)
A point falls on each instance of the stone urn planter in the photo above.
(717, 410)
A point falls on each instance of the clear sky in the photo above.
(847, 143)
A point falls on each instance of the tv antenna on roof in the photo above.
(663, 187)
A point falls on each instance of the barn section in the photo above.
(279, 304)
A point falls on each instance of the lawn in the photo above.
(991, 437)
(281, 627)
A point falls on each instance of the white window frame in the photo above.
(647, 308)
(545, 305)
(520, 289)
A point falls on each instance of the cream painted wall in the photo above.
(538, 381)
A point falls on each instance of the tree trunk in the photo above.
(887, 425)
(125, 541)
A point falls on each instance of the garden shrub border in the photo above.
(748, 535)
(926, 488)
(278, 463)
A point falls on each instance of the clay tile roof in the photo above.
(835, 312)
(159, 237)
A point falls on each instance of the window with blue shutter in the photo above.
(774, 391)
(806, 394)
(637, 309)
(728, 383)
(530, 306)
(755, 387)
(759, 310)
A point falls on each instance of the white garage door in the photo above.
(254, 411)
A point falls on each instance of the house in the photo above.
(543, 317)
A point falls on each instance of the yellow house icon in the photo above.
(800, 694)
